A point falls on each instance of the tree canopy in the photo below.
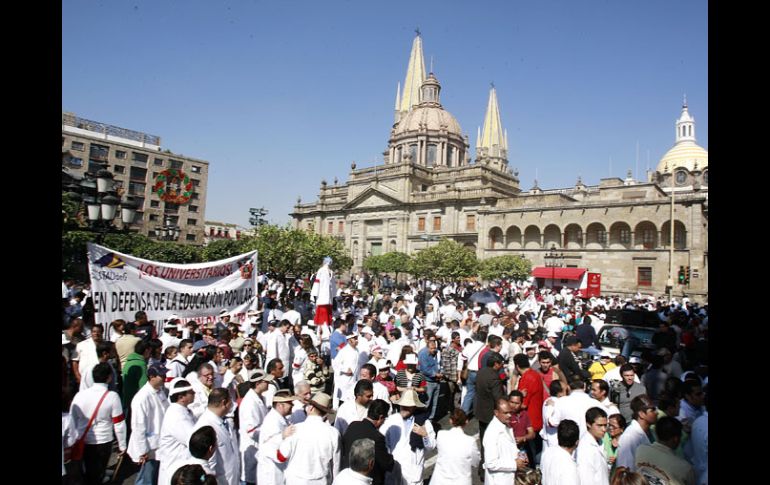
(511, 267)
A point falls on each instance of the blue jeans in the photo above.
(470, 392)
(148, 473)
(432, 390)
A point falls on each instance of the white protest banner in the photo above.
(122, 285)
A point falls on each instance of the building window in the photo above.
(137, 173)
(192, 222)
(76, 162)
(706, 177)
(341, 227)
(77, 146)
(449, 155)
(413, 152)
(310, 226)
(644, 276)
(157, 161)
(139, 157)
(437, 223)
(193, 208)
(420, 223)
(154, 203)
(99, 152)
(153, 217)
(470, 222)
(190, 237)
(601, 236)
(432, 149)
(376, 249)
(625, 236)
(194, 196)
(331, 227)
(120, 154)
(175, 164)
(195, 169)
(135, 188)
(139, 202)
(120, 169)
(171, 208)
(681, 177)
(648, 238)
(195, 182)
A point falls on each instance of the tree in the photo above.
(446, 260)
(223, 249)
(511, 267)
(395, 262)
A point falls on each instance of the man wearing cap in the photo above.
(407, 436)
(312, 453)
(275, 427)
(251, 414)
(346, 366)
(147, 411)
(552, 341)
(226, 461)
(323, 292)
(602, 366)
(178, 424)
(169, 337)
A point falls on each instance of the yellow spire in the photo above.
(415, 75)
(493, 140)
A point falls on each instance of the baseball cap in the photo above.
(156, 370)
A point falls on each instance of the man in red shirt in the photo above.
(531, 386)
(523, 431)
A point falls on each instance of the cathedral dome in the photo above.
(686, 154)
(432, 118)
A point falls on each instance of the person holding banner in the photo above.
(323, 292)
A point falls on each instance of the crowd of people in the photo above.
(341, 384)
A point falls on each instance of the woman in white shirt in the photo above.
(458, 453)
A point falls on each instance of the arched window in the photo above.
(432, 150)
(413, 152)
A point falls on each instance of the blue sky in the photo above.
(279, 95)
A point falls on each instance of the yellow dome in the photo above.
(431, 118)
(684, 154)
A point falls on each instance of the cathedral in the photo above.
(429, 187)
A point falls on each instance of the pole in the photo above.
(670, 282)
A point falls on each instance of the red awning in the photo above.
(559, 273)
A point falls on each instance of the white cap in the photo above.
(382, 364)
(367, 330)
(410, 359)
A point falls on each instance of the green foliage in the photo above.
(223, 249)
(446, 260)
(512, 267)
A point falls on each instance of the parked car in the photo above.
(625, 339)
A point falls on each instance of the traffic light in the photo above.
(681, 275)
(687, 276)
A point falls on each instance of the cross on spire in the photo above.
(417, 31)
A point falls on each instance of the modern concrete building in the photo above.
(136, 159)
(429, 187)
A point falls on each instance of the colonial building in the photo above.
(429, 188)
(136, 159)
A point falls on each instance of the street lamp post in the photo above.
(553, 260)
(168, 231)
(97, 192)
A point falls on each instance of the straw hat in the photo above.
(322, 401)
(284, 395)
(409, 398)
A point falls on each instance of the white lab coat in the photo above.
(631, 439)
(574, 407)
(324, 286)
(458, 453)
(312, 452)
(251, 415)
(592, 462)
(226, 461)
(147, 410)
(178, 424)
(350, 477)
(269, 469)
(201, 402)
(346, 360)
(397, 432)
(278, 347)
(189, 461)
(349, 412)
(500, 453)
(558, 467)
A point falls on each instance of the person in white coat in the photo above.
(275, 428)
(346, 366)
(251, 415)
(557, 464)
(501, 455)
(407, 440)
(312, 453)
(148, 407)
(458, 453)
(202, 446)
(178, 424)
(591, 458)
(574, 407)
(354, 409)
(278, 345)
(323, 292)
(202, 383)
(226, 461)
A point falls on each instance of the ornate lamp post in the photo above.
(553, 260)
(168, 231)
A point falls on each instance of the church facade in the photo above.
(429, 188)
